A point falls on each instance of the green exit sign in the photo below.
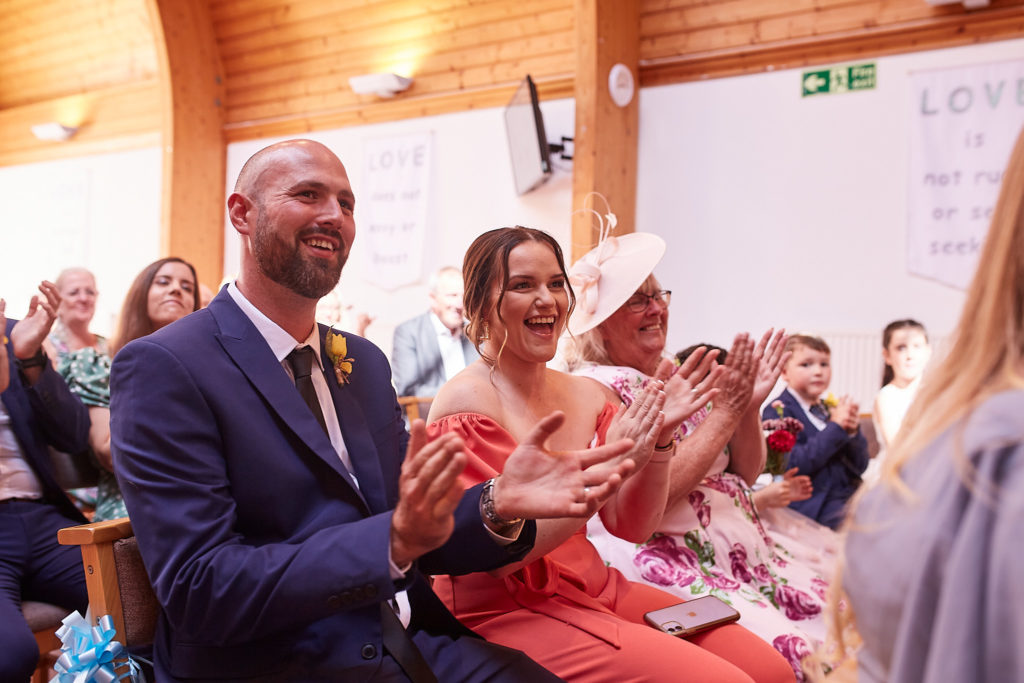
(838, 79)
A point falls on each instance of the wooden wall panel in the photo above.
(286, 63)
(88, 63)
(685, 39)
(294, 60)
(112, 119)
(53, 49)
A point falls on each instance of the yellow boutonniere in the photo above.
(830, 401)
(337, 351)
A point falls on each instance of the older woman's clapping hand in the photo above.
(688, 388)
(771, 358)
(736, 383)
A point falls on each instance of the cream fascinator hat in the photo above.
(611, 272)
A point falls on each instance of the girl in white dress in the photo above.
(906, 352)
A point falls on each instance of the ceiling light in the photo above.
(382, 84)
(53, 131)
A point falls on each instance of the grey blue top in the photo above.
(937, 583)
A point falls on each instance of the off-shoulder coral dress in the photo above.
(575, 615)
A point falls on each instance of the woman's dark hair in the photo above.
(895, 326)
(681, 356)
(486, 263)
(134, 321)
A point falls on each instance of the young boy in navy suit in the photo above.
(830, 449)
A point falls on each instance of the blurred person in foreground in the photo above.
(933, 555)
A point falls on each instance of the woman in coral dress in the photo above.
(562, 605)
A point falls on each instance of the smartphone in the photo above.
(693, 616)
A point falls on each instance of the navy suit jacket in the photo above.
(833, 460)
(267, 560)
(46, 414)
(416, 357)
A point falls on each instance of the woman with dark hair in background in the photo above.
(163, 292)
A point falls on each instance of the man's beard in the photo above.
(285, 265)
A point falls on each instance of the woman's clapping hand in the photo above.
(641, 422)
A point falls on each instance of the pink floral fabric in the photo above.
(714, 543)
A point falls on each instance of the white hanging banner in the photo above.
(392, 208)
(964, 123)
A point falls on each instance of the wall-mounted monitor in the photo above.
(527, 142)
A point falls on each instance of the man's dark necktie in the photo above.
(396, 638)
(301, 361)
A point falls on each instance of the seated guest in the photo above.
(906, 352)
(163, 292)
(711, 540)
(331, 312)
(562, 604)
(278, 502)
(830, 448)
(431, 348)
(36, 411)
(780, 492)
(933, 554)
(77, 287)
(77, 352)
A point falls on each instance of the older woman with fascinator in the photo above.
(710, 540)
(562, 605)
(933, 554)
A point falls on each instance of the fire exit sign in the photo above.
(838, 79)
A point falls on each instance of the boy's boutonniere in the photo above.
(830, 401)
(337, 351)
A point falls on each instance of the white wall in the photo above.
(101, 212)
(788, 211)
(782, 210)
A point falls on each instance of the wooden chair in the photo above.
(415, 407)
(44, 619)
(116, 578)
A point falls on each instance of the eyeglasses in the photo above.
(639, 302)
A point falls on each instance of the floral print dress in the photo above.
(87, 373)
(713, 543)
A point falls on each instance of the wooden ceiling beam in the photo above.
(605, 146)
(862, 43)
(194, 150)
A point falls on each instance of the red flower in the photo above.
(781, 441)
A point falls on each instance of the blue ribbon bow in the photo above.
(89, 654)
